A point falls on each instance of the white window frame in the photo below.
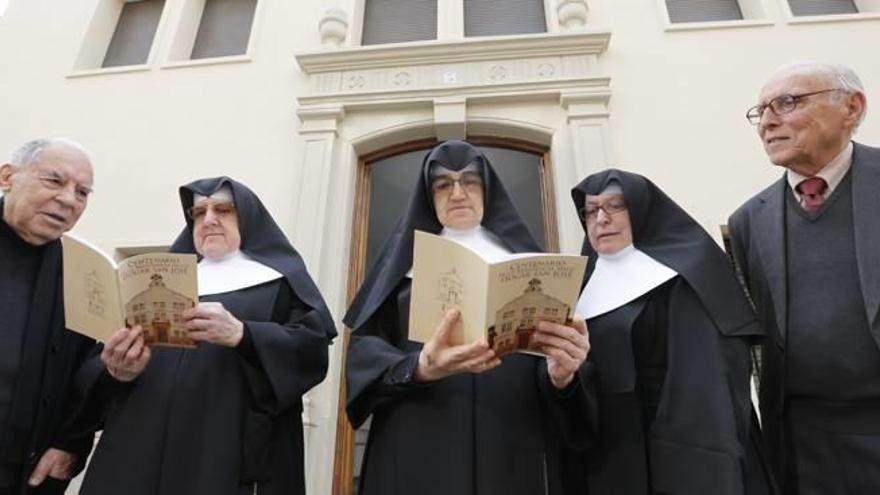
(98, 35)
(450, 22)
(187, 29)
(868, 10)
(754, 14)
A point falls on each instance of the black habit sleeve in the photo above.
(573, 411)
(381, 360)
(289, 358)
(280, 362)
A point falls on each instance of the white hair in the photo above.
(838, 75)
(29, 152)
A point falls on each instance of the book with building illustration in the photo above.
(501, 301)
(151, 290)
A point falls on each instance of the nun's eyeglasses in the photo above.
(219, 209)
(612, 207)
(469, 181)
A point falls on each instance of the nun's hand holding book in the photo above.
(441, 357)
(125, 354)
(566, 347)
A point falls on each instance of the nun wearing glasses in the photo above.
(454, 419)
(670, 334)
(225, 417)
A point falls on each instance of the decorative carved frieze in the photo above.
(454, 51)
(524, 66)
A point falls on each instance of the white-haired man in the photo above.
(45, 188)
(807, 247)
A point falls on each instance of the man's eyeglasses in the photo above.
(469, 181)
(781, 105)
(219, 209)
(610, 207)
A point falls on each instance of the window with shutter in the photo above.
(499, 17)
(134, 33)
(396, 21)
(703, 10)
(225, 28)
(822, 7)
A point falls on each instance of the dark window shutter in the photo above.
(703, 10)
(135, 30)
(396, 21)
(499, 17)
(225, 28)
(822, 7)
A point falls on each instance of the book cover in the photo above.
(501, 301)
(151, 290)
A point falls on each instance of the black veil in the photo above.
(665, 232)
(261, 239)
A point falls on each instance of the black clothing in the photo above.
(834, 446)
(39, 359)
(760, 246)
(219, 420)
(485, 433)
(831, 355)
(228, 418)
(833, 367)
(668, 422)
(19, 265)
(468, 434)
(672, 366)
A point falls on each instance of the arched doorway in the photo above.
(384, 182)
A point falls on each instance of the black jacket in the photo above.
(757, 234)
(42, 400)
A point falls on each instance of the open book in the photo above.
(501, 302)
(151, 290)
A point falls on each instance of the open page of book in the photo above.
(92, 303)
(445, 275)
(528, 289)
(155, 289)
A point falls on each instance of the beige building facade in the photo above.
(283, 96)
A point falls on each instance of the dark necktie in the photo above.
(812, 192)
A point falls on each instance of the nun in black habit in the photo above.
(670, 330)
(223, 418)
(454, 419)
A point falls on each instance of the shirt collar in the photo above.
(833, 172)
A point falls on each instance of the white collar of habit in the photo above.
(478, 240)
(233, 272)
(620, 278)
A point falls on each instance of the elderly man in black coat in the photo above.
(807, 248)
(45, 190)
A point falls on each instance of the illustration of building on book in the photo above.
(95, 294)
(158, 310)
(450, 289)
(515, 322)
